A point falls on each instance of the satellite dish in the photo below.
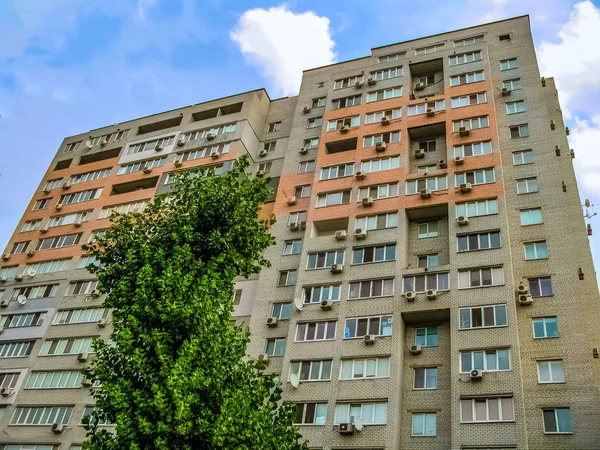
(358, 423)
(22, 299)
(298, 303)
(587, 203)
(88, 144)
(294, 381)
(31, 271)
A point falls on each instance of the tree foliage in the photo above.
(173, 375)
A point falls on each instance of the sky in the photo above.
(70, 66)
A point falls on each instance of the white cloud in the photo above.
(284, 43)
(575, 60)
(584, 140)
(142, 6)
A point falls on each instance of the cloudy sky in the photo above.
(68, 66)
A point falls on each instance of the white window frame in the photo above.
(555, 411)
(325, 292)
(523, 126)
(317, 324)
(465, 58)
(288, 277)
(314, 122)
(349, 122)
(509, 64)
(320, 414)
(544, 322)
(499, 404)
(527, 182)
(390, 114)
(360, 366)
(311, 363)
(515, 107)
(276, 347)
(470, 77)
(343, 412)
(427, 230)
(496, 274)
(537, 246)
(426, 281)
(427, 332)
(495, 308)
(424, 417)
(439, 183)
(56, 265)
(332, 256)
(24, 415)
(468, 41)
(324, 198)
(363, 222)
(519, 158)
(382, 191)
(485, 359)
(389, 322)
(465, 100)
(488, 175)
(328, 171)
(425, 370)
(477, 149)
(380, 164)
(531, 215)
(480, 206)
(303, 166)
(383, 282)
(389, 138)
(471, 123)
(421, 108)
(512, 85)
(386, 74)
(385, 94)
(554, 378)
(488, 236)
(54, 379)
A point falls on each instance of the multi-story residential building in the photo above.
(432, 285)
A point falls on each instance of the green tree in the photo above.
(173, 375)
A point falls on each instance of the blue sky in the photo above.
(69, 66)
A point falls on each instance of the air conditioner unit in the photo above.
(523, 288)
(58, 207)
(465, 188)
(385, 121)
(358, 85)
(260, 173)
(340, 235)
(367, 201)
(103, 142)
(3, 304)
(46, 191)
(86, 382)
(306, 110)
(443, 164)
(158, 148)
(83, 357)
(420, 153)
(476, 374)
(66, 186)
(30, 252)
(371, 81)
(263, 357)
(180, 141)
(214, 154)
(3, 280)
(410, 296)
(291, 200)
(344, 129)
(415, 349)
(380, 146)
(46, 228)
(369, 339)
(303, 150)
(326, 305)
(303, 225)
(464, 131)
(19, 277)
(425, 193)
(430, 112)
(147, 170)
(294, 226)
(272, 322)
(462, 220)
(5, 256)
(525, 299)
(263, 152)
(101, 323)
(77, 223)
(337, 268)
(419, 86)
(431, 294)
(346, 429)
(359, 233)
(505, 92)
(458, 160)
(58, 428)
(178, 162)
(359, 175)
(6, 391)
(552, 125)
(210, 136)
(95, 293)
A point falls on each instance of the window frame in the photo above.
(425, 378)
(553, 378)
(545, 327)
(496, 324)
(485, 353)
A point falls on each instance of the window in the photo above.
(378, 192)
(203, 171)
(468, 41)
(478, 208)
(384, 94)
(509, 64)
(515, 107)
(310, 413)
(31, 225)
(371, 141)
(536, 250)
(42, 203)
(95, 235)
(292, 247)
(9, 380)
(311, 143)
(345, 102)
(545, 327)
(125, 208)
(333, 198)
(482, 317)
(19, 349)
(522, 157)
(273, 127)
(369, 413)
(302, 191)
(467, 78)
(469, 100)
(342, 170)
(431, 260)
(203, 152)
(82, 287)
(90, 176)
(55, 380)
(427, 230)
(421, 108)
(316, 294)
(557, 420)
(426, 80)
(465, 58)
(112, 137)
(315, 331)
(347, 82)
(72, 146)
(64, 164)
(371, 254)
(359, 369)
(20, 247)
(80, 315)
(360, 327)
(275, 347)
(475, 177)
(527, 185)
(376, 165)
(303, 167)
(318, 102)
(519, 131)
(427, 168)
(471, 124)
(149, 164)
(41, 415)
(425, 378)
(390, 114)
(347, 122)
(52, 184)
(504, 37)
(314, 122)
(282, 311)
(551, 371)
(473, 149)
(492, 409)
(8, 271)
(429, 49)
(89, 410)
(265, 167)
(22, 320)
(156, 144)
(371, 288)
(311, 370)
(392, 57)
(512, 85)
(386, 74)
(34, 292)
(531, 216)
(377, 222)
(493, 276)
(424, 424)
(479, 241)
(287, 278)
(422, 283)
(86, 261)
(486, 360)
(428, 146)
(431, 184)
(68, 346)
(325, 259)
(426, 336)
(270, 146)
(540, 287)
(297, 217)
(68, 219)
(66, 240)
